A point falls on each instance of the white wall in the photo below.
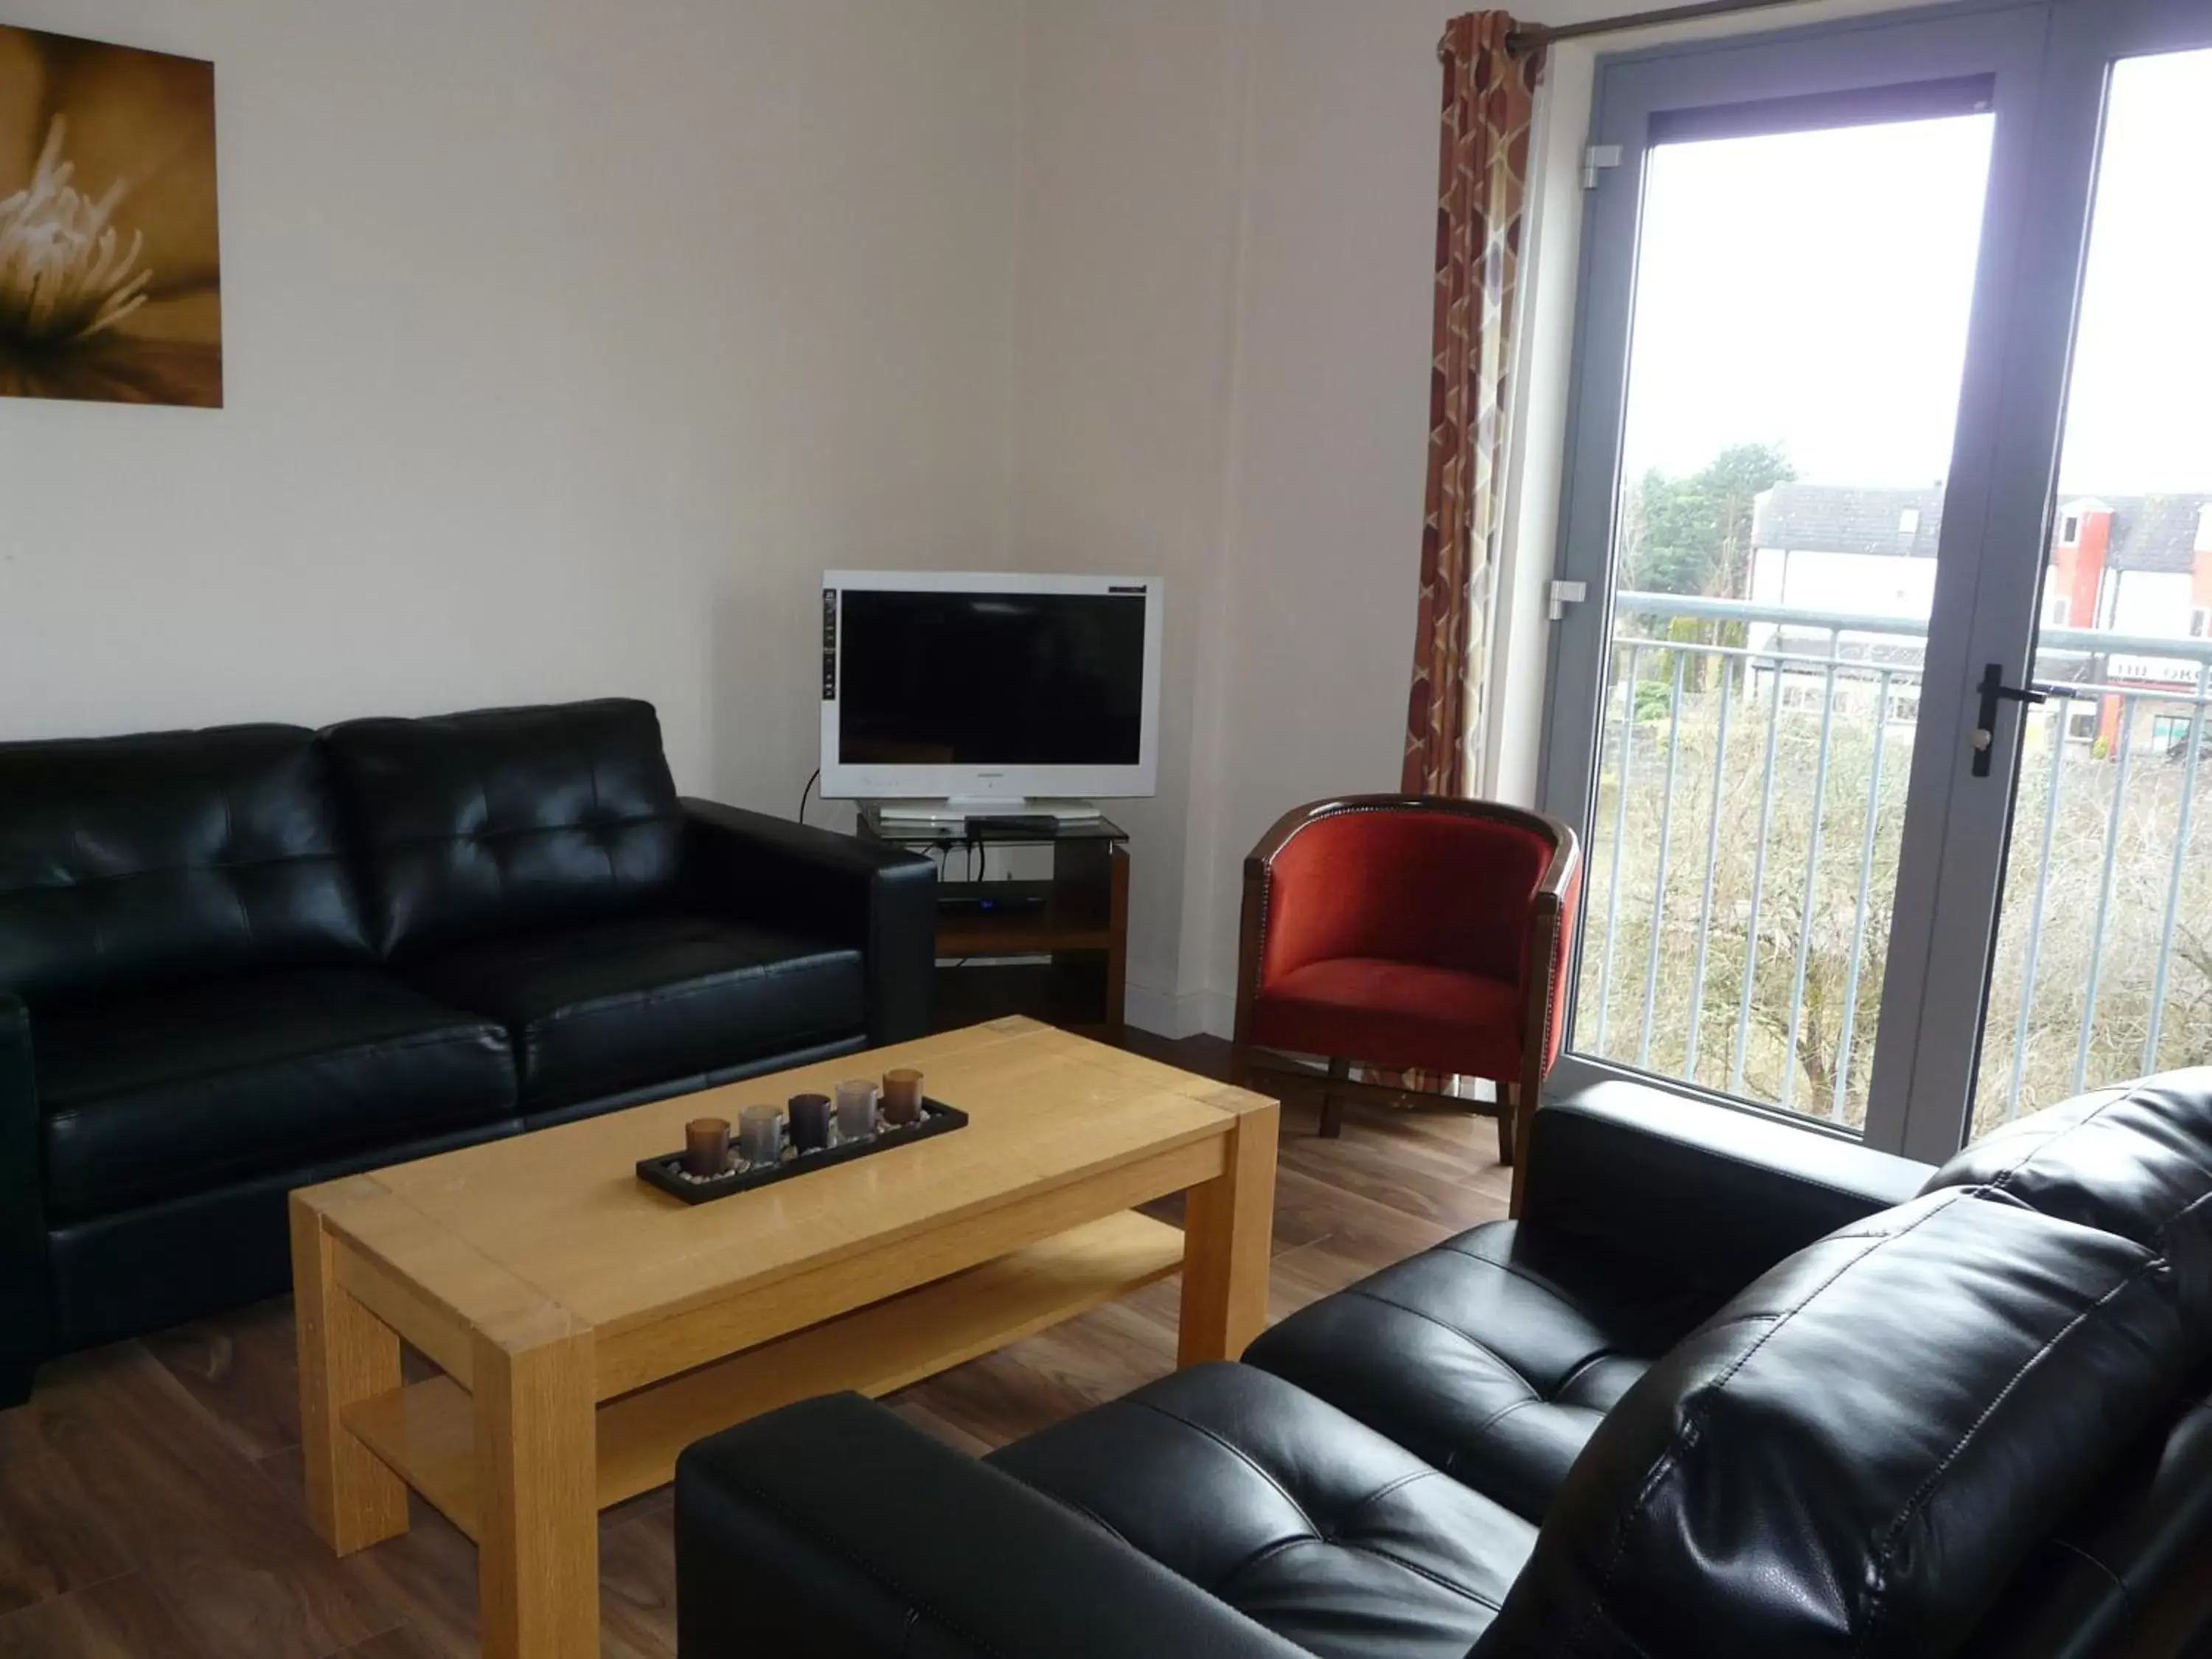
(1226, 239)
(567, 344)
(1132, 137)
(1333, 328)
(1307, 589)
(1223, 377)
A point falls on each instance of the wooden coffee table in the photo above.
(589, 1327)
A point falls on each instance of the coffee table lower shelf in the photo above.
(426, 1432)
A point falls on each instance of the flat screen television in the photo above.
(996, 691)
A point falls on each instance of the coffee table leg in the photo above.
(1228, 1226)
(346, 1354)
(538, 1512)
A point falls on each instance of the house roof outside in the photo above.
(2153, 532)
(1804, 517)
(2149, 532)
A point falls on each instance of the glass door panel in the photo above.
(1804, 281)
(2103, 965)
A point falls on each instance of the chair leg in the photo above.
(1331, 1107)
(1509, 1115)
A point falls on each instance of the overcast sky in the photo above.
(1813, 290)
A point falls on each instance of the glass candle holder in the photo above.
(707, 1147)
(902, 1095)
(760, 1136)
(810, 1122)
(856, 1110)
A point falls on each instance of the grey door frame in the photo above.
(1928, 1048)
(2005, 40)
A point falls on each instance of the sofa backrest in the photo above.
(507, 819)
(2135, 1160)
(1856, 1455)
(128, 860)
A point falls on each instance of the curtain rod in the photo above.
(1537, 36)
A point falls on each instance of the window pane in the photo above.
(2104, 963)
(1800, 316)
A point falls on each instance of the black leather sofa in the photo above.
(240, 960)
(1725, 1390)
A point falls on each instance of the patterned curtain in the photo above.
(1489, 98)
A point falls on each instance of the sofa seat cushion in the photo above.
(1485, 1357)
(154, 1094)
(1393, 1013)
(1289, 1511)
(613, 1007)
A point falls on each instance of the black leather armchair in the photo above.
(236, 962)
(1966, 1415)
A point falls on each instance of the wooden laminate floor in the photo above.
(150, 1503)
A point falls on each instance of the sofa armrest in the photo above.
(24, 1319)
(834, 1529)
(1681, 1181)
(771, 870)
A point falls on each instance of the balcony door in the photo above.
(2068, 938)
(1830, 281)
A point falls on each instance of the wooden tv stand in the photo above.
(1055, 948)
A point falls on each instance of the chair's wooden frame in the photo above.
(1517, 1096)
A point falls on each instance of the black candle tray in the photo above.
(666, 1171)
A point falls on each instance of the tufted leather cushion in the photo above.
(1854, 1455)
(1488, 1357)
(2134, 1160)
(159, 1093)
(835, 1529)
(608, 1007)
(1287, 1509)
(508, 819)
(129, 859)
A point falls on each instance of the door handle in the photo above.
(1994, 689)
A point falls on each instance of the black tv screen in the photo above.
(990, 680)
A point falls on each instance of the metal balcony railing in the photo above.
(1750, 809)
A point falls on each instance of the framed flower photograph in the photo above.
(111, 285)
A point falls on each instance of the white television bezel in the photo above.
(985, 784)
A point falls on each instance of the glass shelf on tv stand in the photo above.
(913, 833)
